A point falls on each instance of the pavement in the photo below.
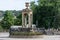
(5, 36)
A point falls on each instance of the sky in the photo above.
(13, 4)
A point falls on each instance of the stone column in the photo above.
(25, 22)
(23, 19)
(30, 19)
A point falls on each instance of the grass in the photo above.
(26, 33)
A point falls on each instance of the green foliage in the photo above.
(18, 20)
(7, 20)
(1, 29)
(45, 13)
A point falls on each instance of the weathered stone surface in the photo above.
(26, 12)
(24, 29)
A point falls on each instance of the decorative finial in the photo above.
(27, 4)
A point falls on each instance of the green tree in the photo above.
(8, 20)
(45, 12)
(18, 20)
(34, 7)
